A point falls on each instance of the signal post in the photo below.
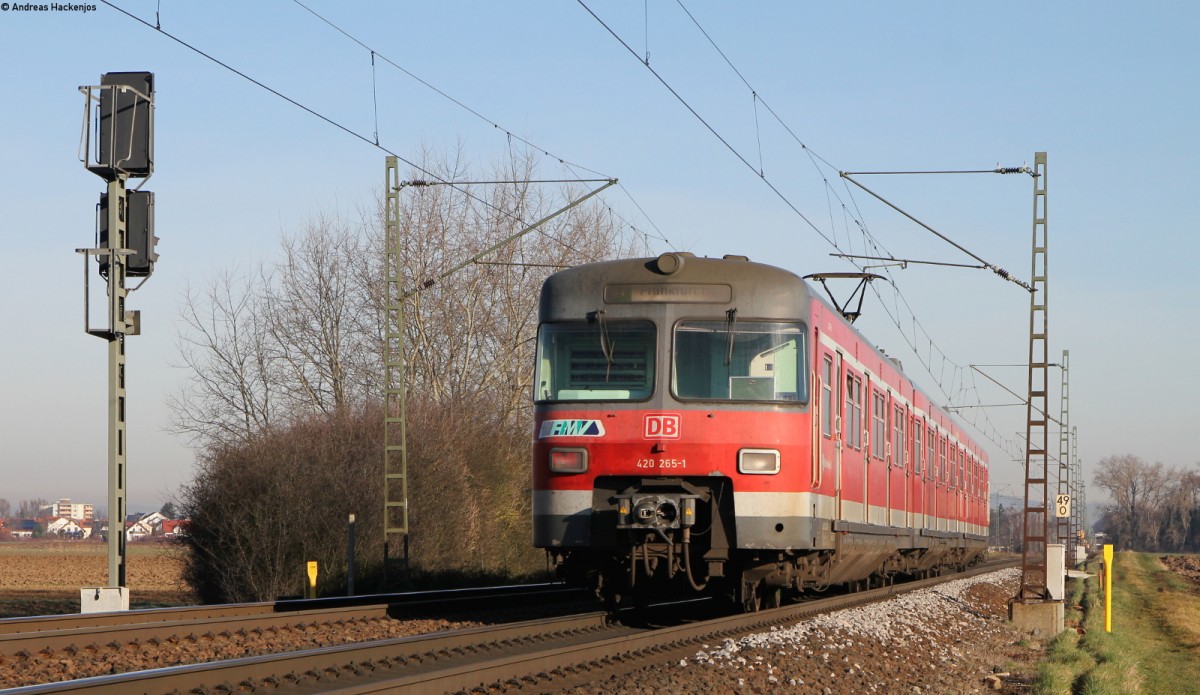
(123, 131)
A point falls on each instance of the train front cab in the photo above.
(671, 422)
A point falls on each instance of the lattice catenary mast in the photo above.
(1037, 490)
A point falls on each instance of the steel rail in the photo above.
(54, 633)
(40, 623)
(633, 651)
(415, 653)
(477, 658)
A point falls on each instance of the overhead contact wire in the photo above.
(337, 125)
(706, 124)
(508, 134)
(869, 241)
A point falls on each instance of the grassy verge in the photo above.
(1155, 643)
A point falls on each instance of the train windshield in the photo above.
(598, 360)
(740, 361)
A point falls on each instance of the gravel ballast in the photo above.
(946, 639)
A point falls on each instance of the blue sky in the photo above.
(1107, 89)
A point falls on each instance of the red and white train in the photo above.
(711, 425)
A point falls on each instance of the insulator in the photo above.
(1010, 170)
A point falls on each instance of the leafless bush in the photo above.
(285, 367)
(260, 510)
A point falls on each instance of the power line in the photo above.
(571, 166)
(868, 239)
(340, 126)
(707, 125)
(989, 266)
(443, 94)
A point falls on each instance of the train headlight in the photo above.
(758, 461)
(568, 460)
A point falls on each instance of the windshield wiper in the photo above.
(606, 348)
(730, 320)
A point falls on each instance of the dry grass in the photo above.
(44, 577)
(1179, 598)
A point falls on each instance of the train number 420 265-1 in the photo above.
(662, 464)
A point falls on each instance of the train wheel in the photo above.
(773, 597)
(752, 596)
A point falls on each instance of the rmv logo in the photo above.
(662, 427)
(571, 428)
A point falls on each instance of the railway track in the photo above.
(410, 600)
(536, 655)
(70, 646)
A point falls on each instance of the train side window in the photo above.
(853, 425)
(898, 436)
(942, 459)
(918, 444)
(827, 396)
(931, 442)
(878, 424)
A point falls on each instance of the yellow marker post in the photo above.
(1108, 573)
(312, 580)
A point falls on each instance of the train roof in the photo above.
(757, 289)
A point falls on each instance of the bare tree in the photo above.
(321, 321)
(300, 342)
(5, 508)
(470, 336)
(224, 347)
(29, 509)
(1137, 489)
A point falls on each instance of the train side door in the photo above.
(839, 426)
(898, 472)
(930, 486)
(828, 429)
(853, 470)
(877, 462)
(903, 490)
(892, 457)
(916, 501)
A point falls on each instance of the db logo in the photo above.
(662, 427)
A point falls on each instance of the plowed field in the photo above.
(1185, 565)
(44, 577)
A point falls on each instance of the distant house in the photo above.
(24, 529)
(141, 526)
(154, 520)
(174, 528)
(136, 530)
(68, 528)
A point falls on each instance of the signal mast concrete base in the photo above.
(1042, 618)
(103, 599)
